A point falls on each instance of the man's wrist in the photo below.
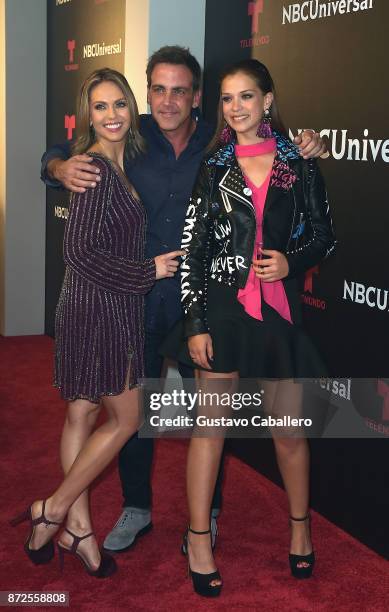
(52, 167)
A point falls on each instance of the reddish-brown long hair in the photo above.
(260, 74)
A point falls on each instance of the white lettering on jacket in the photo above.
(227, 263)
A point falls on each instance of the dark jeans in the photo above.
(136, 456)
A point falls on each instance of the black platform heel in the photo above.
(202, 582)
(107, 565)
(184, 545)
(45, 553)
(309, 560)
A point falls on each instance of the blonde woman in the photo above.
(99, 321)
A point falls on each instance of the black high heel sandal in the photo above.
(107, 565)
(45, 553)
(184, 547)
(202, 582)
(294, 560)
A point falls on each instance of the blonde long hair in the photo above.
(85, 135)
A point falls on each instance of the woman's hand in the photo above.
(201, 350)
(273, 267)
(166, 265)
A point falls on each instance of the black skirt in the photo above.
(270, 349)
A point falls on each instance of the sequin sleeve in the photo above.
(195, 265)
(82, 245)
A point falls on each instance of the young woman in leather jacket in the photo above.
(257, 219)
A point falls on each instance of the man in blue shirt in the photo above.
(176, 136)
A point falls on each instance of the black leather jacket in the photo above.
(220, 227)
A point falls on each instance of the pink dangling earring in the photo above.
(264, 129)
(226, 135)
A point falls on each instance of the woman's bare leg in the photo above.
(202, 468)
(292, 452)
(79, 423)
(293, 462)
(96, 454)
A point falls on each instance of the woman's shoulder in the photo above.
(223, 156)
(288, 155)
(287, 151)
(102, 163)
(106, 175)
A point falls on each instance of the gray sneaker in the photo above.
(132, 523)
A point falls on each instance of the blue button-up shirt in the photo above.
(164, 185)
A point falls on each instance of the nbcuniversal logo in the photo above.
(314, 9)
(374, 297)
(61, 212)
(341, 146)
(101, 49)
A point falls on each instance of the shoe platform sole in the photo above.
(140, 533)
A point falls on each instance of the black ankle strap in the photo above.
(77, 539)
(304, 518)
(42, 518)
(198, 532)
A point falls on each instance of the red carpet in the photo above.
(252, 548)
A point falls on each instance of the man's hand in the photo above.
(310, 145)
(76, 174)
(272, 268)
(201, 350)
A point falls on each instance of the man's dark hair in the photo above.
(180, 56)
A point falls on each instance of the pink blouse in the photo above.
(255, 290)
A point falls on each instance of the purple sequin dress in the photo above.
(99, 325)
